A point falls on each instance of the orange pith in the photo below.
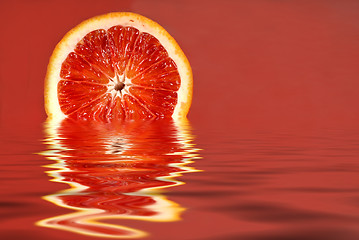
(120, 54)
(116, 66)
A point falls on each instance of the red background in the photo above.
(254, 62)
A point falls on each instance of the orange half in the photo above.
(115, 66)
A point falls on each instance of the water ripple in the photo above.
(116, 171)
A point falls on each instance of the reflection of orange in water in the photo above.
(116, 171)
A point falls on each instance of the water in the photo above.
(167, 180)
(116, 172)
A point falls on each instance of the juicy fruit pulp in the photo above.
(118, 73)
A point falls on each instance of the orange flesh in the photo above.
(88, 88)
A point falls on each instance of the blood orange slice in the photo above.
(118, 65)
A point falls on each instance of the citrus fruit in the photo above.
(115, 66)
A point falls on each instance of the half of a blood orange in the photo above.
(115, 66)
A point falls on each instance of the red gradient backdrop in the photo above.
(254, 62)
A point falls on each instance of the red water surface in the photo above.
(275, 112)
(116, 171)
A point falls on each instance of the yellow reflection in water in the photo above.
(116, 171)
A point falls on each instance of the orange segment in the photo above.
(76, 68)
(159, 102)
(118, 65)
(121, 41)
(163, 75)
(94, 49)
(82, 94)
